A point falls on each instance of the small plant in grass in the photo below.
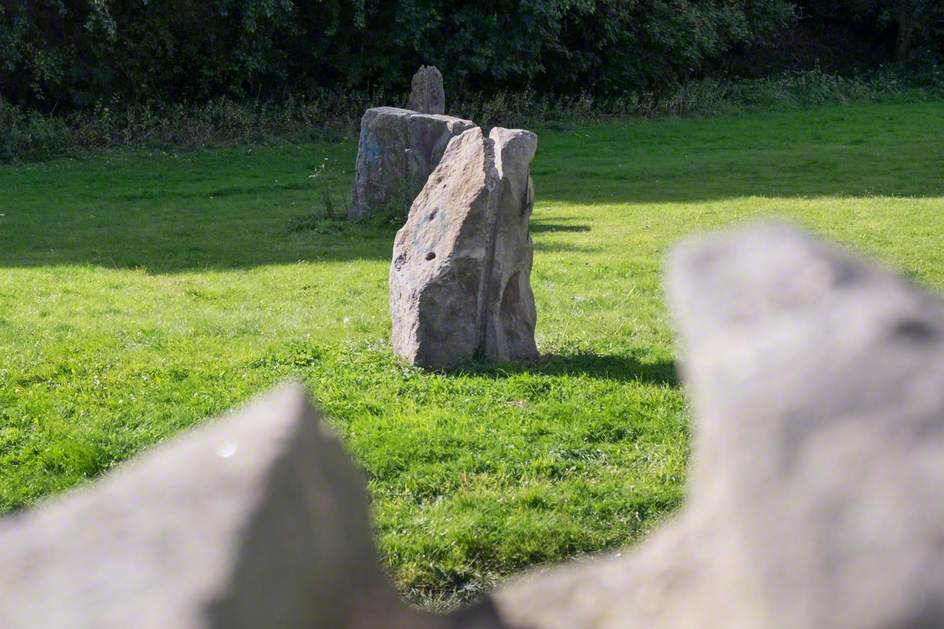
(328, 202)
(316, 224)
(326, 221)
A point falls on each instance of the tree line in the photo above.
(68, 54)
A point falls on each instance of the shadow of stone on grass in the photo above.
(602, 366)
(537, 227)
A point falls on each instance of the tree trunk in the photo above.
(906, 26)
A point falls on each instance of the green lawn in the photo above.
(141, 293)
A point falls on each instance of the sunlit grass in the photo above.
(142, 293)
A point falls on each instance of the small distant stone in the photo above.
(426, 91)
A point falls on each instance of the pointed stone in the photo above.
(257, 520)
(426, 91)
(460, 277)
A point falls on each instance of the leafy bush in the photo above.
(28, 134)
(69, 54)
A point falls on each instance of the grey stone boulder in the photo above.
(460, 276)
(815, 496)
(397, 151)
(427, 95)
(257, 520)
(818, 379)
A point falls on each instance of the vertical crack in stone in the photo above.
(493, 185)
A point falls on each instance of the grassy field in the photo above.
(141, 293)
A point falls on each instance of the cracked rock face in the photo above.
(427, 95)
(397, 151)
(460, 280)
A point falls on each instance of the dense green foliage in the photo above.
(141, 292)
(915, 26)
(77, 74)
(30, 134)
(70, 53)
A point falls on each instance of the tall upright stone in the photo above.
(460, 277)
(397, 151)
(427, 95)
(510, 314)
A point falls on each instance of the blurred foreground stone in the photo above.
(460, 283)
(816, 497)
(257, 520)
(397, 151)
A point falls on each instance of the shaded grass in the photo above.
(143, 292)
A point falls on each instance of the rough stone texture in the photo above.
(510, 311)
(819, 383)
(669, 580)
(258, 520)
(815, 496)
(460, 277)
(397, 151)
(426, 91)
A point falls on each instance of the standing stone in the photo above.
(258, 520)
(426, 91)
(510, 311)
(815, 495)
(460, 278)
(397, 151)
